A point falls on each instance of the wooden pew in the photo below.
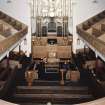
(7, 19)
(96, 32)
(13, 22)
(2, 15)
(102, 27)
(86, 25)
(6, 32)
(1, 27)
(101, 16)
(18, 26)
(96, 19)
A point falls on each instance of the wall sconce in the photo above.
(95, 1)
(9, 1)
(25, 41)
(78, 41)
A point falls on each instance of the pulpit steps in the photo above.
(52, 93)
(52, 67)
(52, 90)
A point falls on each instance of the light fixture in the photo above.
(51, 14)
(95, 1)
(9, 1)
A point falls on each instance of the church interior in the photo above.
(52, 52)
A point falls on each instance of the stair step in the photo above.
(52, 83)
(59, 98)
(39, 104)
(51, 70)
(51, 65)
(55, 96)
(52, 89)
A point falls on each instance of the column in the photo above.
(62, 82)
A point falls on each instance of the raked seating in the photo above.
(2, 37)
(93, 31)
(13, 31)
(6, 29)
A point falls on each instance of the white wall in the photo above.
(82, 10)
(19, 9)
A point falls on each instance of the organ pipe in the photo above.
(38, 14)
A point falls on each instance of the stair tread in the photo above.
(40, 104)
(53, 83)
(54, 87)
(60, 96)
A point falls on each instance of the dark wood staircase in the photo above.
(51, 91)
(52, 67)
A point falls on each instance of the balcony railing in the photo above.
(96, 23)
(12, 39)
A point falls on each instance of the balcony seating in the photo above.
(10, 27)
(2, 37)
(93, 32)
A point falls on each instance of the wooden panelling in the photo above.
(64, 52)
(39, 52)
(43, 51)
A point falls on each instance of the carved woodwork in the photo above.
(62, 49)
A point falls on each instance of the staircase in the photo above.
(51, 91)
(52, 67)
